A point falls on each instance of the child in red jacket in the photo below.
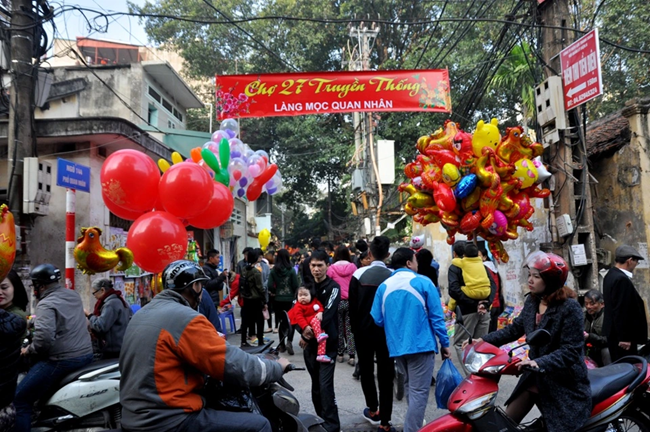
(308, 311)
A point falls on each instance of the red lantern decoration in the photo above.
(120, 211)
(185, 190)
(157, 239)
(130, 180)
(219, 210)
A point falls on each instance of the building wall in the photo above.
(514, 290)
(67, 107)
(622, 203)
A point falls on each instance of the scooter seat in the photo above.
(84, 370)
(609, 380)
(255, 349)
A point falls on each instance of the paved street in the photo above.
(350, 397)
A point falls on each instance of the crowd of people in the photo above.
(363, 305)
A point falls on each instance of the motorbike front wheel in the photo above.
(629, 422)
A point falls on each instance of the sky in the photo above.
(124, 29)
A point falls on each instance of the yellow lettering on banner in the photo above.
(389, 84)
(259, 88)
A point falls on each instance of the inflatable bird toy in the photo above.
(7, 241)
(92, 258)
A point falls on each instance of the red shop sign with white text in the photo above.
(293, 94)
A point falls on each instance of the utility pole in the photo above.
(363, 124)
(572, 177)
(21, 142)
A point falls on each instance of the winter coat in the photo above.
(328, 293)
(283, 283)
(625, 319)
(215, 284)
(598, 342)
(60, 326)
(467, 305)
(168, 350)
(234, 292)
(110, 325)
(302, 315)
(407, 306)
(12, 329)
(564, 392)
(254, 283)
(208, 309)
(363, 287)
(341, 272)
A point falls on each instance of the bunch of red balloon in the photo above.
(476, 184)
(161, 206)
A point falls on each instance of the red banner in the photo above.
(293, 94)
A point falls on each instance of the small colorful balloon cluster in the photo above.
(228, 160)
(476, 184)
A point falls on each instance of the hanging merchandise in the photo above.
(7, 241)
(477, 184)
(92, 257)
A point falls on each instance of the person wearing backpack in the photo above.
(282, 284)
(251, 289)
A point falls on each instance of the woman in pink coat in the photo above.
(341, 271)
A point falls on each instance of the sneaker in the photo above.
(355, 374)
(282, 348)
(252, 341)
(324, 359)
(321, 337)
(351, 361)
(266, 340)
(289, 348)
(340, 359)
(373, 418)
(388, 428)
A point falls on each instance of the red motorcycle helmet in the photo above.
(552, 268)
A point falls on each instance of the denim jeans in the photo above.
(38, 381)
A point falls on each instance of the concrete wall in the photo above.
(622, 202)
(67, 107)
(435, 240)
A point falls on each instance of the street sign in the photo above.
(72, 175)
(581, 74)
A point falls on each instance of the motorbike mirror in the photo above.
(459, 316)
(539, 337)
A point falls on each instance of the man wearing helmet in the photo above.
(61, 340)
(168, 349)
(561, 390)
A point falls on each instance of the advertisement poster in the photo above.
(291, 94)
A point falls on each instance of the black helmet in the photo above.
(182, 273)
(44, 274)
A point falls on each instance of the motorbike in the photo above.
(619, 392)
(273, 401)
(87, 399)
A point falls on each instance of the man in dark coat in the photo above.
(215, 284)
(625, 323)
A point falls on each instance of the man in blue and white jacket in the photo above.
(408, 306)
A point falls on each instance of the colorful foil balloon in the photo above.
(7, 241)
(92, 257)
(485, 135)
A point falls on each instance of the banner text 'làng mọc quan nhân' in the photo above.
(291, 94)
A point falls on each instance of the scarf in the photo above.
(100, 301)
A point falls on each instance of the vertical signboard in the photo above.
(581, 73)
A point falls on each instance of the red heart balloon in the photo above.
(218, 211)
(185, 190)
(130, 180)
(236, 175)
(255, 189)
(157, 239)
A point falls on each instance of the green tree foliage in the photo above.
(493, 66)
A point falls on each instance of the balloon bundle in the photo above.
(161, 206)
(476, 184)
(229, 161)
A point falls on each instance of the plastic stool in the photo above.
(230, 316)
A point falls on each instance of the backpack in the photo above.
(244, 288)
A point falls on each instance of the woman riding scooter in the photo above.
(561, 389)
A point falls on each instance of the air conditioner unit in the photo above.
(37, 186)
